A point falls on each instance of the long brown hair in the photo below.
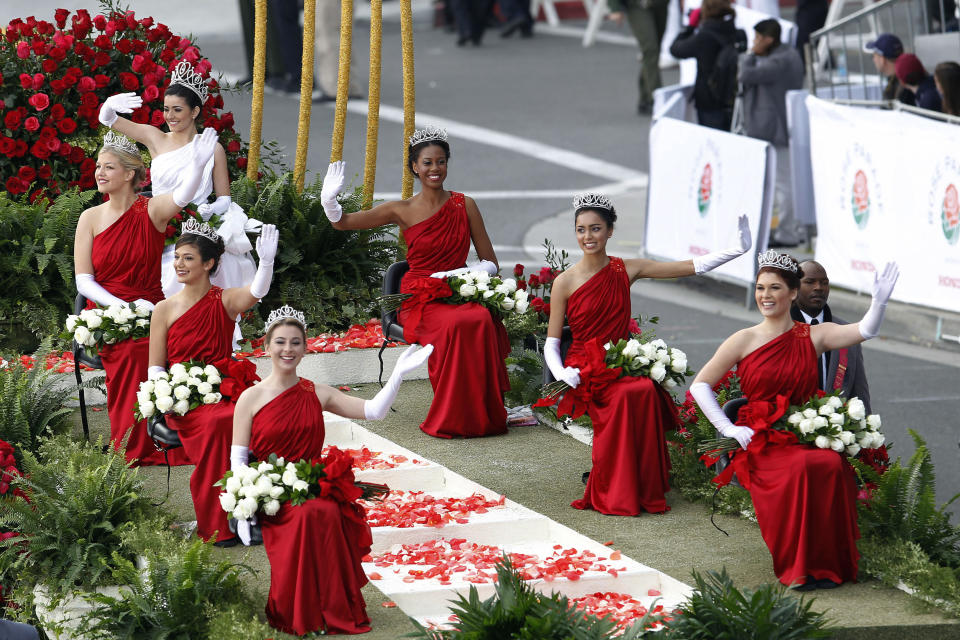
(948, 77)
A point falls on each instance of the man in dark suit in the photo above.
(839, 369)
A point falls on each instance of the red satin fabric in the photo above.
(630, 415)
(315, 549)
(205, 333)
(805, 498)
(126, 262)
(466, 367)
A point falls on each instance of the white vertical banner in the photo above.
(701, 181)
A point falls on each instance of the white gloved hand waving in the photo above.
(116, 104)
(332, 186)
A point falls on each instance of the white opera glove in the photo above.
(239, 457)
(483, 265)
(707, 400)
(266, 252)
(331, 188)
(883, 285)
(92, 290)
(120, 103)
(709, 262)
(155, 372)
(217, 207)
(551, 353)
(376, 408)
(140, 303)
(203, 148)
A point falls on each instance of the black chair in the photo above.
(80, 356)
(566, 339)
(164, 438)
(731, 409)
(392, 329)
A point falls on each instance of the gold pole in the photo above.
(343, 79)
(409, 93)
(306, 93)
(373, 101)
(259, 73)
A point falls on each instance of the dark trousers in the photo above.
(648, 24)
(715, 118)
(471, 17)
(274, 67)
(286, 20)
(811, 15)
(515, 9)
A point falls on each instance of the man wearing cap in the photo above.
(914, 78)
(886, 49)
(841, 368)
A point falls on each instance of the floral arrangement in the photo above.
(500, 295)
(54, 75)
(184, 387)
(8, 470)
(99, 326)
(826, 421)
(539, 285)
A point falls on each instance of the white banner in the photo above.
(886, 188)
(701, 181)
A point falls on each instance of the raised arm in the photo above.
(145, 134)
(163, 207)
(829, 336)
(644, 268)
(376, 408)
(239, 299)
(221, 186)
(333, 182)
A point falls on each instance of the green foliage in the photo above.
(31, 402)
(717, 609)
(82, 500)
(525, 369)
(903, 507)
(238, 623)
(36, 261)
(895, 562)
(177, 595)
(332, 276)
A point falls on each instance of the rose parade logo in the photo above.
(706, 189)
(860, 199)
(860, 189)
(950, 215)
(705, 178)
(943, 200)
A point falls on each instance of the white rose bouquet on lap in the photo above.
(99, 326)
(184, 387)
(500, 295)
(652, 359)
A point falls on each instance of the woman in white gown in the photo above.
(170, 152)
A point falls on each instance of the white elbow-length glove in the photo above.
(155, 372)
(551, 353)
(332, 186)
(707, 400)
(239, 456)
(266, 251)
(376, 408)
(709, 262)
(203, 148)
(217, 207)
(120, 103)
(883, 284)
(483, 265)
(93, 290)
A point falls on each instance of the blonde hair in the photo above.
(130, 162)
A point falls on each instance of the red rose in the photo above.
(23, 50)
(39, 47)
(58, 86)
(7, 146)
(522, 284)
(191, 55)
(49, 65)
(171, 231)
(141, 115)
(67, 126)
(124, 46)
(518, 270)
(38, 80)
(39, 101)
(226, 121)
(77, 155)
(151, 78)
(60, 15)
(537, 304)
(63, 40)
(100, 23)
(89, 100)
(546, 309)
(111, 28)
(65, 150)
(233, 146)
(139, 46)
(203, 67)
(546, 275)
(101, 59)
(142, 63)
(534, 280)
(129, 81)
(103, 42)
(57, 53)
(14, 186)
(147, 22)
(131, 20)
(53, 144)
(241, 163)
(167, 56)
(88, 165)
(48, 132)
(44, 172)
(150, 94)
(22, 148)
(27, 174)
(157, 119)
(86, 84)
(26, 81)
(101, 80)
(31, 124)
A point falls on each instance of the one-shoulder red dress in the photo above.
(630, 415)
(466, 367)
(126, 262)
(205, 333)
(315, 549)
(804, 497)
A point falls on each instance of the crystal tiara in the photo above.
(429, 133)
(771, 258)
(286, 311)
(120, 142)
(591, 200)
(199, 229)
(184, 75)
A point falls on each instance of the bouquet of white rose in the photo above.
(186, 386)
(500, 295)
(96, 327)
(827, 422)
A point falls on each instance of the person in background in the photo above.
(471, 18)
(886, 49)
(517, 14)
(913, 76)
(811, 15)
(326, 54)
(767, 72)
(946, 76)
(648, 21)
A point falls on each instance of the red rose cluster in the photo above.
(539, 285)
(55, 75)
(8, 469)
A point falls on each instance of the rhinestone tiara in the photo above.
(286, 311)
(428, 134)
(591, 200)
(771, 258)
(199, 229)
(120, 142)
(184, 75)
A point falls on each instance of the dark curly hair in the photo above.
(414, 152)
(609, 215)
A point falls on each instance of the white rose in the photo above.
(670, 383)
(489, 293)
(161, 388)
(469, 278)
(177, 368)
(853, 450)
(289, 476)
(510, 284)
(195, 371)
(658, 344)
(820, 422)
(835, 402)
(264, 467)
(836, 418)
(248, 475)
(180, 392)
(856, 409)
(271, 507)
(211, 370)
(643, 360)
(249, 491)
(233, 484)
(274, 477)
(178, 377)
(826, 409)
(467, 290)
(482, 277)
(143, 396)
(228, 502)
(522, 306)
(213, 378)
(142, 322)
(72, 322)
(663, 357)
(805, 426)
(81, 334)
(94, 321)
(143, 312)
(632, 349)
(127, 314)
(164, 403)
(180, 407)
(508, 305)
(847, 437)
(502, 288)
(822, 442)
(147, 408)
(276, 492)
(873, 420)
(521, 294)
(837, 445)
(658, 372)
(147, 386)
(877, 440)
(204, 388)
(809, 413)
(245, 509)
(795, 418)
(264, 484)
(211, 398)
(194, 381)
(299, 485)
(679, 366)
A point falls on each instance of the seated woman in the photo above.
(805, 497)
(315, 548)
(630, 415)
(116, 256)
(467, 371)
(197, 324)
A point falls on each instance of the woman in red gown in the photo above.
(197, 324)
(630, 415)
(804, 497)
(116, 259)
(466, 370)
(315, 548)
